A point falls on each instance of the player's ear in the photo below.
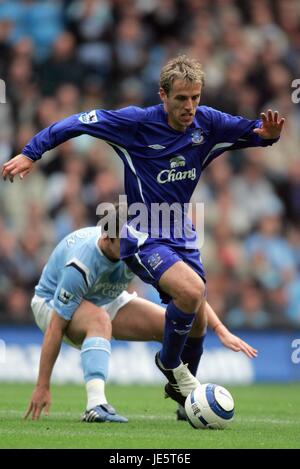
(162, 94)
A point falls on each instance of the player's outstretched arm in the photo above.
(41, 397)
(234, 342)
(272, 125)
(228, 339)
(20, 164)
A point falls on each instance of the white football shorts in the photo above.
(42, 311)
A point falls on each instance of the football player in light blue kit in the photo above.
(164, 149)
(81, 290)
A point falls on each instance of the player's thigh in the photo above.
(181, 280)
(139, 320)
(86, 319)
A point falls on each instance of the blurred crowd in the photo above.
(62, 57)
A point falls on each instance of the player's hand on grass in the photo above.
(234, 342)
(271, 125)
(41, 399)
(20, 164)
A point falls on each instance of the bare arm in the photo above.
(228, 339)
(41, 396)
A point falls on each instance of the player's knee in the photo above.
(100, 325)
(190, 296)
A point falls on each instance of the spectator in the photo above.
(62, 66)
(250, 312)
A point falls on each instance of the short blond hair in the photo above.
(180, 68)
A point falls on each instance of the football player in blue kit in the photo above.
(81, 299)
(164, 149)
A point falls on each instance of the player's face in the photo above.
(181, 103)
(115, 249)
(110, 247)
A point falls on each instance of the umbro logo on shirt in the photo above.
(157, 147)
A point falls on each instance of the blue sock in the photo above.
(95, 352)
(192, 353)
(177, 327)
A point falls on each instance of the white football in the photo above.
(209, 406)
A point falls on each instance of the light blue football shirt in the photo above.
(77, 269)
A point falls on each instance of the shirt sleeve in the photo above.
(118, 127)
(232, 133)
(69, 292)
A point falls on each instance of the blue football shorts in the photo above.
(150, 261)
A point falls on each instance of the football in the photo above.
(209, 406)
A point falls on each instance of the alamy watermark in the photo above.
(2, 91)
(295, 357)
(2, 351)
(296, 93)
(157, 220)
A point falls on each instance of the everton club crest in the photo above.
(197, 137)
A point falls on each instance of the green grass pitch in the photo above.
(266, 416)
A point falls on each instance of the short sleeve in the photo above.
(69, 292)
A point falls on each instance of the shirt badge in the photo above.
(65, 296)
(197, 137)
(88, 117)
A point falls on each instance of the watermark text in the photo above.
(156, 220)
(296, 353)
(296, 93)
(2, 351)
(2, 92)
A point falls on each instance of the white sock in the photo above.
(95, 393)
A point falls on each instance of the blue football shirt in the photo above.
(162, 165)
